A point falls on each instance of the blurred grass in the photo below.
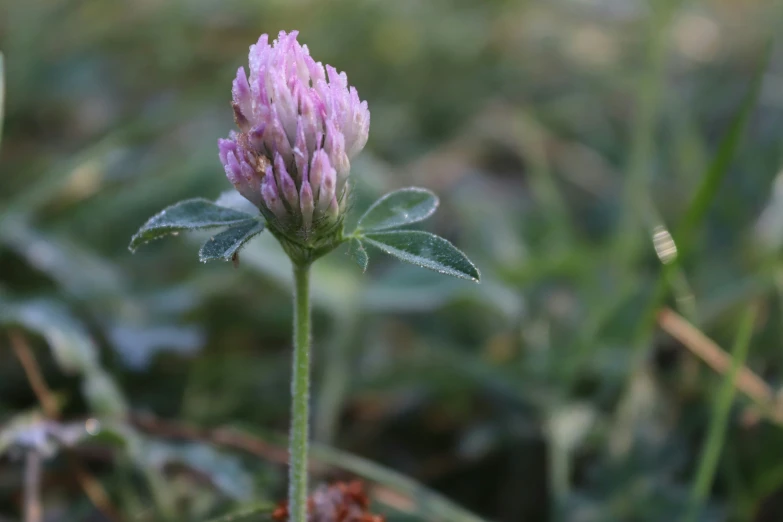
(703, 197)
(710, 454)
(558, 135)
(2, 95)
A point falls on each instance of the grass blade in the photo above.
(2, 95)
(708, 462)
(532, 140)
(720, 164)
(643, 132)
(695, 213)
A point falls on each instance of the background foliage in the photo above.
(564, 139)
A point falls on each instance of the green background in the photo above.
(560, 136)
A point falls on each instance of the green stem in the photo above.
(300, 395)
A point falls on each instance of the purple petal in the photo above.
(276, 139)
(306, 203)
(301, 153)
(242, 100)
(286, 183)
(256, 138)
(318, 169)
(272, 196)
(335, 148)
(301, 116)
(327, 189)
(224, 148)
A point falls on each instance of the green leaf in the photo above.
(191, 214)
(425, 250)
(399, 208)
(225, 245)
(359, 254)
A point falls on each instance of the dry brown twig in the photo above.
(33, 511)
(708, 351)
(89, 484)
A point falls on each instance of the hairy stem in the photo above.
(300, 395)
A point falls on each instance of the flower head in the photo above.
(300, 125)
